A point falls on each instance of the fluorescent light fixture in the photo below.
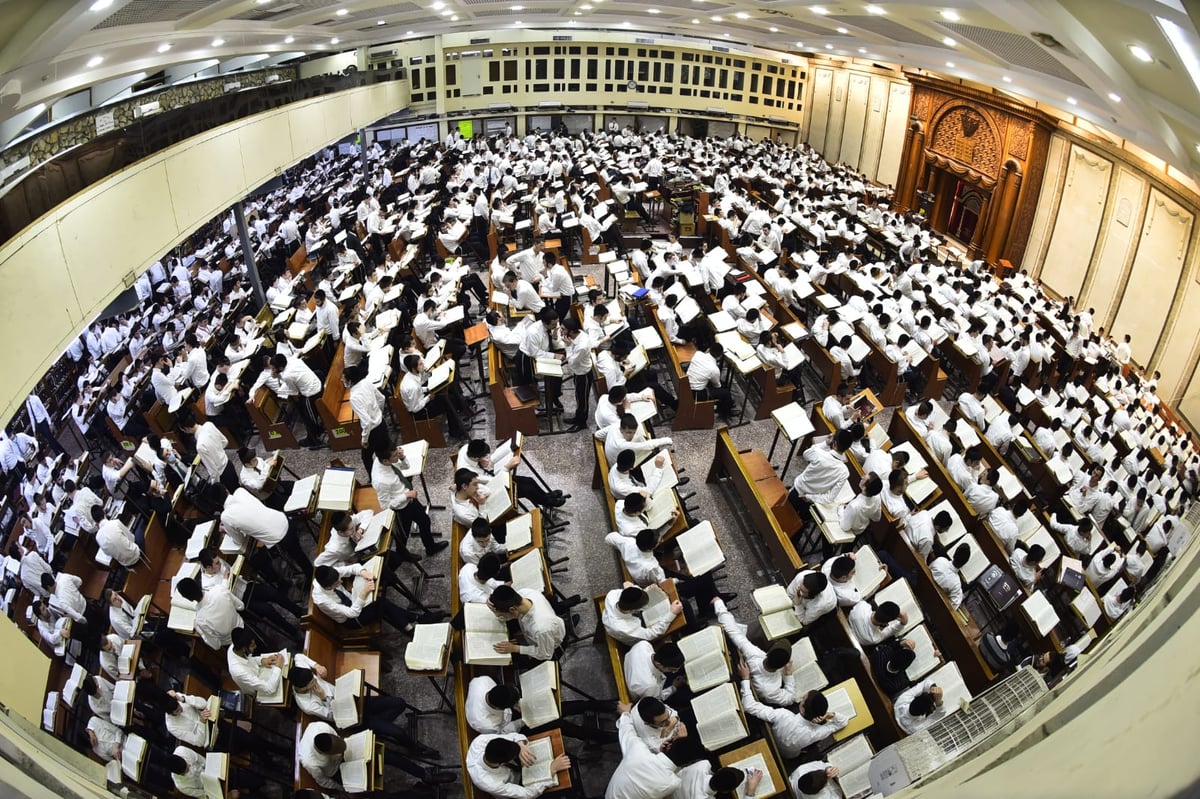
(95, 61)
(334, 40)
(726, 35)
(1116, 98)
(218, 42)
(653, 11)
(829, 47)
(1141, 54)
(1072, 101)
(1006, 79)
(447, 12)
(586, 7)
(381, 22)
(438, 6)
(454, 17)
(625, 24)
(1183, 48)
(800, 44)
(289, 40)
(695, 22)
(341, 12)
(162, 48)
(862, 50)
(516, 8)
(950, 64)
(100, 5)
(773, 29)
(950, 15)
(743, 15)
(822, 10)
(716, 18)
(876, 10)
(842, 31)
(262, 2)
(949, 42)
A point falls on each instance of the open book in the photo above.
(840, 702)
(539, 686)
(519, 532)
(719, 719)
(1086, 607)
(124, 693)
(133, 756)
(852, 760)
(380, 522)
(701, 552)
(540, 769)
(657, 608)
(805, 670)
(70, 691)
(337, 489)
(440, 376)
(868, 571)
(346, 691)
(659, 508)
(705, 658)
(481, 631)
(427, 650)
(1041, 615)
(978, 563)
(276, 697)
(926, 661)
(499, 498)
(183, 610)
(766, 786)
(216, 771)
(302, 494)
(777, 614)
(356, 762)
(529, 571)
(198, 540)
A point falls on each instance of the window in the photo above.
(619, 70)
(560, 68)
(668, 73)
(591, 68)
(494, 71)
(767, 83)
(541, 51)
(738, 78)
(539, 69)
(451, 74)
(754, 84)
(643, 74)
(510, 69)
(724, 79)
(416, 78)
(657, 72)
(710, 76)
(574, 69)
(430, 77)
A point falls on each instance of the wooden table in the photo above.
(759, 747)
(862, 718)
(672, 591)
(556, 749)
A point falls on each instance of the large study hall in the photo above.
(598, 400)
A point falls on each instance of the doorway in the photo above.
(964, 211)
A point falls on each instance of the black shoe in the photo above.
(575, 428)
(683, 481)
(437, 547)
(727, 596)
(408, 556)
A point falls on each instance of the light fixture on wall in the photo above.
(95, 61)
(1140, 53)
(950, 15)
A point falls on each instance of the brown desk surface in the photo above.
(751, 749)
(862, 719)
(556, 747)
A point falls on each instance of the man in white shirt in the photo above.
(368, 404)
(947, 575)
(421, 403)
(637, 553)
(115, 539)
(770, 670)
(704, 377)
(218, 612)
(490, 711)
(815, 780)
(395, 490)
(210, 447)
(793, 731)
(1025, 563)
(647, 669)
(872, 625)
(494, 766)
(245, 516)
(840, 571)
(812, 595)
(543, 630)
(857, 514)
(361, 604)
(621, 617)
(644, 772)
(919, 706)
(824, 474)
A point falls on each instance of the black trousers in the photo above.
(721, 394)
(414, 514)
(582, 399)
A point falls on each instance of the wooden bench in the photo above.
(268, 416)
(512, 415)
(348, 637)
(333, 405)
(692, 414)
(765, 501)
(615, 651)
(829, 370)
(412, 428)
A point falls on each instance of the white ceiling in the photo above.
(45, 45)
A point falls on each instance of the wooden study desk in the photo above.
(862, 714)
(556, 748)
(751, 752)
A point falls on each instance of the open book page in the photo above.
(380, 522)
(122, 702)
(528, 571)
(482, 631)
(216, 770)
(868, 572)
(718, 717)
(426, 651)
(133, 756)
(519, 532)
(657, 608)
(766, 786)
(499, 498)
(346, 691)
(539, 704)
(199, 539)
(923, 648)
(337, 489)
(1039, 611)
(70, 691)
(780, 624)
(354, 776)
(275, 697)
(771, 598)
(539, 771)
(1086, 606)
(659, 509)
(840, 702)
(707, 670)
(701, 552)
(440, 376)
(852, 760)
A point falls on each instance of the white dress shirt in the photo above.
(772, 687)
(500, 781)
(864, 628)
(542, 628)
(644, 568)
(642, 677)
(947, 579)
(210, 446)
(830, 791)
(190, 782)
(251, 676)
(186, 725)
(703, 371)
(115, 540)
(792, 731)
(217, 616)
(322, 767)
(482, 717)
(245, 516)
(809, 609)
(627, 627)
(824, 475)
(908, 722)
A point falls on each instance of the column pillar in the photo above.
(976, 246)
(1006, 209)
(239, 219)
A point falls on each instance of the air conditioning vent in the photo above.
(485, 40)
(564, 38)
(642, 40)
(383, 55)
(718, 49)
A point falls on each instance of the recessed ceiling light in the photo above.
(949, 42)
(1006, 79)
(829, 47)
(162, 48)
(95, 61)
(447, 12)
(517, 8)
(262, 2)
(341, 12)
(1198, 148)
(695, 22)
(438, 6)
(842, 31)
(381, 22)
(289, 40)
(716, 18)
(1072, 101)
(773, 29)
(743, 15)
(625, 24)
(578, 14)
(334, 40)
(454, 17)
(653, 11)
(876, 10)
(409, 33)
(799, 44)
(951, 15)
(820, 10)
(862, 50)
(726, 35)
(517, 24)
(950, 64)
(218, 42)
(1141, 53)
(1116, 98)
(100, 5)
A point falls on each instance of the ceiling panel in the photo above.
(889, 29)
(1020, 51)
(137, 12)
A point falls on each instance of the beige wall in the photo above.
(1123, 240)
(858, 115)
(66, 267)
